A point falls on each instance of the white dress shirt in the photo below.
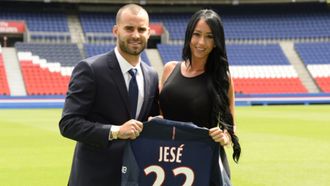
(125, 67)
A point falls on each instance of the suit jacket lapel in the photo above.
(147, 88)
(118, 78)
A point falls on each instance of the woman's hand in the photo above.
(220, 136)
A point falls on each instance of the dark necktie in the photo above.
(133, 92)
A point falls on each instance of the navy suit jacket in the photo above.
(97, 99)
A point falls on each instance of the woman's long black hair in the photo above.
(217, 69)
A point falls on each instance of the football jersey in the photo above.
(172, 153)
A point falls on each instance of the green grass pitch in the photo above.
(281, 146)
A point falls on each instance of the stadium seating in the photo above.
(272, 23)
(66, 54)
(316, 57)
(262, 69)
(43, 78)
(46, 68)
(97, 26)
(4, 89)
(44, 26)
(39, 21)
(175, 24)
(256, 69)
(274, 26)
(169, 52)
(239, 23)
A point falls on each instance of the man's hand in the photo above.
(130, 129)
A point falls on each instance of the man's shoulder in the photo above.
(100, 58)
(99, 62)
(148, 69)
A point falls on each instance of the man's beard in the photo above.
(136, 51)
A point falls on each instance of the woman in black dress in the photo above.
(200, 88)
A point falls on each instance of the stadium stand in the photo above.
(262, 69)
(273, 26)
(97, 27)
(46, 68)
(255, 23)
(256, 59)
(4, 89)
(169, 52)
(256, 68)
(175, 24)
(42, 26)
(39, 21)
(66, 54)
(43, 78)
(316, 58)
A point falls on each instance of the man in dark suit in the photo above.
(99, 111)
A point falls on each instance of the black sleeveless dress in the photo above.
(186, 99)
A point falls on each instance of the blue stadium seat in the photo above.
(316, 58)
(169, 52)
(66, 54)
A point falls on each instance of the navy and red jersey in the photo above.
(172, 153)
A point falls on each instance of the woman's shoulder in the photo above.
(168, 68)
(170, 64)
